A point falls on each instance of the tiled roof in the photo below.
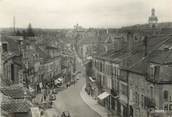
(16, 92)
(42, 54)
(13, 45)
(14, 106)
(165, 74)
(163, 55)
(88, 38)
(140, 67)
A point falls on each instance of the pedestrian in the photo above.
(44, 97)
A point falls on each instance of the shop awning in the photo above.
(92, 80)
(60, 79)
(103, 95)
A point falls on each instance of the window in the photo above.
(12, 72)
(142, 101)
(166, 95)
(166, 107)
(124, 89)
(170, 107)
(4, 47)
(137, 98)
(151, 92)
(152, 71)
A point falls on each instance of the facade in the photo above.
(11, 59)
(134, 81)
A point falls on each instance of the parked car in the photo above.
(65, 114)
(52, 97)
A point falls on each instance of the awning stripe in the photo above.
(103, 95)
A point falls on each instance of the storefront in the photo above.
(105, 100)
(114, 103)
(123, 109)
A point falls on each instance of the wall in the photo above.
(138, 89)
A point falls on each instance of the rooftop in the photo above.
(16, 106)
(15, 91)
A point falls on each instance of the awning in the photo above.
(60, 79)
(103, 95)
(92, 80)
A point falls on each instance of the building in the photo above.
(153, 20)
(11, 59)
(122, 77)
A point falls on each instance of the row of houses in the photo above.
(134, 80)
(29, 65)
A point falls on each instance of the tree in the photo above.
(30, 31)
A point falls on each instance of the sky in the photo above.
(87, 13)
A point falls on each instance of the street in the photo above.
(70, 100)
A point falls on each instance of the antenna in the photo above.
(14, 23)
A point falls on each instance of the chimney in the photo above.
(145, 45)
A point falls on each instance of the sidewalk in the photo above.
(51, 113)
(92, 103)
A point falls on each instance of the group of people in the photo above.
(70, 83)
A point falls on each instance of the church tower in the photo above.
(153, 20)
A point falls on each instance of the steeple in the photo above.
(153, 12)
(153, 20)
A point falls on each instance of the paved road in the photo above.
(70, 100)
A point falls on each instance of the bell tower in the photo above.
(153, 20)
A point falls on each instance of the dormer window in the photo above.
(152, 71)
